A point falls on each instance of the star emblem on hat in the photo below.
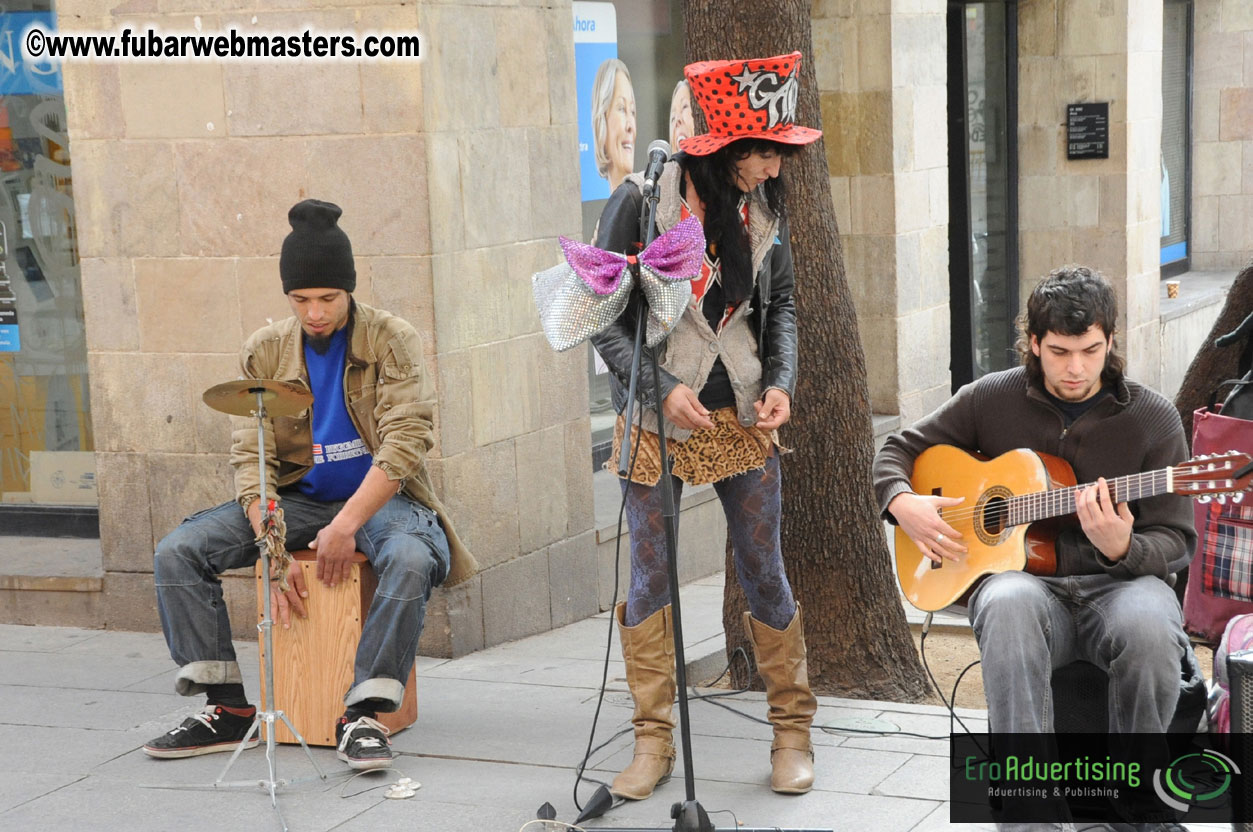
(745, 79)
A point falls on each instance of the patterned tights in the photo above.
(751, 502)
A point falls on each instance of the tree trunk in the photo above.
(1213, 365)
(833, 543)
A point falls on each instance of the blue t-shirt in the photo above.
(340, 457)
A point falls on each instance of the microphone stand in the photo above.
(688, 815)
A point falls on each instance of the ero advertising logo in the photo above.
(1197, 779)
(1014, 778)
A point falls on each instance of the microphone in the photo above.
(658, 153)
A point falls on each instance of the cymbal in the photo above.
(239, 398)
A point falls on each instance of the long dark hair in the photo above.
(716, 180)
(1069, 301)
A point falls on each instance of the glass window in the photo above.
(992, 276)
(634, 48)
(983, 262)
(45, 416)
(1175, 130)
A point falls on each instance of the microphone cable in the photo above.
(950, 705)
(712, 698)
(604, 675)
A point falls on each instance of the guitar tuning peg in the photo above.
(1204, 499)
(1222, 499)
(1238, 497)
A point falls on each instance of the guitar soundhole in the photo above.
(993, 513)
(994, 516)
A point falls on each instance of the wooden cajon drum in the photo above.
(313, 660)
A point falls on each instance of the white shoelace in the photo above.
(205, 717)
(368, 742)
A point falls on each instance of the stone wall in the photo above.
(514, 436)
(1222, 131)
(882, 77)
(455, 174)
(1098, 212)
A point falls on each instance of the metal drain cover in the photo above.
(622, 699)
(862, 725)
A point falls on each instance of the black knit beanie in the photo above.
(316, 254)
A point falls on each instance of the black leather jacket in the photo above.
(773, 317)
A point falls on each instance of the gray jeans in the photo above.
(1027, 626)
(403, 542)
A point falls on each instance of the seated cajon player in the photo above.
(1110, 602)
(350, 477)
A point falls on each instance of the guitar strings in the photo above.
(1059, 501)
(1055, 503)
(1056, 498)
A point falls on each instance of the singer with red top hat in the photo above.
(726, 383)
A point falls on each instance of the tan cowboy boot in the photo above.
(781, 663)
(648, 649)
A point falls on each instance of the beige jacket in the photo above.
(693, 347)
(390, 399)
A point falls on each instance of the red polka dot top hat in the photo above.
(749, 99)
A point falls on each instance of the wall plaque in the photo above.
(1087, 130)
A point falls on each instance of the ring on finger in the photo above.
(939, 538)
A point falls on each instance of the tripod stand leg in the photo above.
(281, 820)
(272, 783)
(308, 753)
(256, 724)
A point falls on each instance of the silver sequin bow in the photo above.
(588, 292)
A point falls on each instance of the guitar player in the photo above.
(1110, 602)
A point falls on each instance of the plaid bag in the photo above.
(1225, 551)
(1220, 582)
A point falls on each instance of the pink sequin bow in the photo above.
(588, 292)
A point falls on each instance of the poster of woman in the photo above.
(613, 122)
(627, 56)
(682, 125)
(595, 51)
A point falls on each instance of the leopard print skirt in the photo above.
(708, 455)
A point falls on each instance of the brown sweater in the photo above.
(1132, 431)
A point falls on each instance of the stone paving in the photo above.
(499, 733)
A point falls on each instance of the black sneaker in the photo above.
(213, 729)
(363, 744)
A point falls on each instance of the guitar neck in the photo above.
(1059, 502)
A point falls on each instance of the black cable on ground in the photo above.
(922, 649)
(604, 676)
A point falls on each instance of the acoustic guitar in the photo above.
(1013, 504)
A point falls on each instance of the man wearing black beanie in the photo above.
(351, 477)
(317, 251)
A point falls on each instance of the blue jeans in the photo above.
(403, 542)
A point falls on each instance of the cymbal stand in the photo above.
(269, 715)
